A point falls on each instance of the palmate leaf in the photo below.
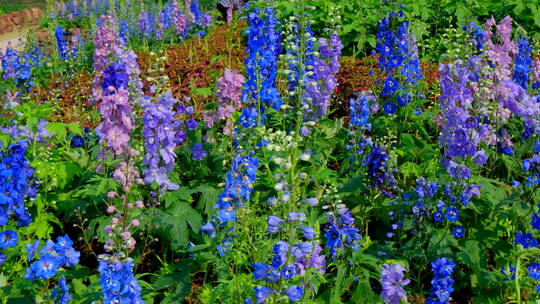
(174, 223)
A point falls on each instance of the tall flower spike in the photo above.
(523, 63)
(264, 45)
(441, 285)
(398, 60)
(159, 130)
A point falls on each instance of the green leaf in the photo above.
(208, 198)
(59, 129)
(174, 224)
(205, 92)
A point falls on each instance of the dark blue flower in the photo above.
(288, 271)
(438, 217)
(523, 63)
(77, 141)
(525, 240)
(8, 239)
(191, 124)
(452, 214)
(60, 294)
(458, 232)
(534, 271)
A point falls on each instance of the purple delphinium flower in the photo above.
(392, 280)
(197, 152)
(159, 130)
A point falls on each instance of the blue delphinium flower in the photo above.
(380, 175)
(52, 257)
(16, 185)
(262, 293)
(458, 231)
(525, 240)
(393, 280)
(441, 285)
(477, 34)
(452, 214)
(438, 216)
(305, 256)
(117, 282)
(535, 221)
(263, 49)
(31, 249)
(237, 192)
(18, 65)
(534, 271)
(360, 111)
(320, 85)
(532, 167)
(295, 293)
(8, 239)
(523, 63)
(340, 231)
(61, 43)
(60, 294)
(398, 59)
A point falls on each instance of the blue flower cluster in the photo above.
(16, 185)
(534, 273)
(340, 231)
(526, 240)
(159, 130)
(263, 49)
(380, 175)
(532, 167)
(477, 34)
(523, 63)
(17, 66)
(288, 261)
(359, 109)
(61, 44)
(398, 60)
(60, 294)
(238, 187)
(428, 199)
(441, 285)
(117, 281)
(115, 76)
(52, 257)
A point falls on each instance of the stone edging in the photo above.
(17, 20)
